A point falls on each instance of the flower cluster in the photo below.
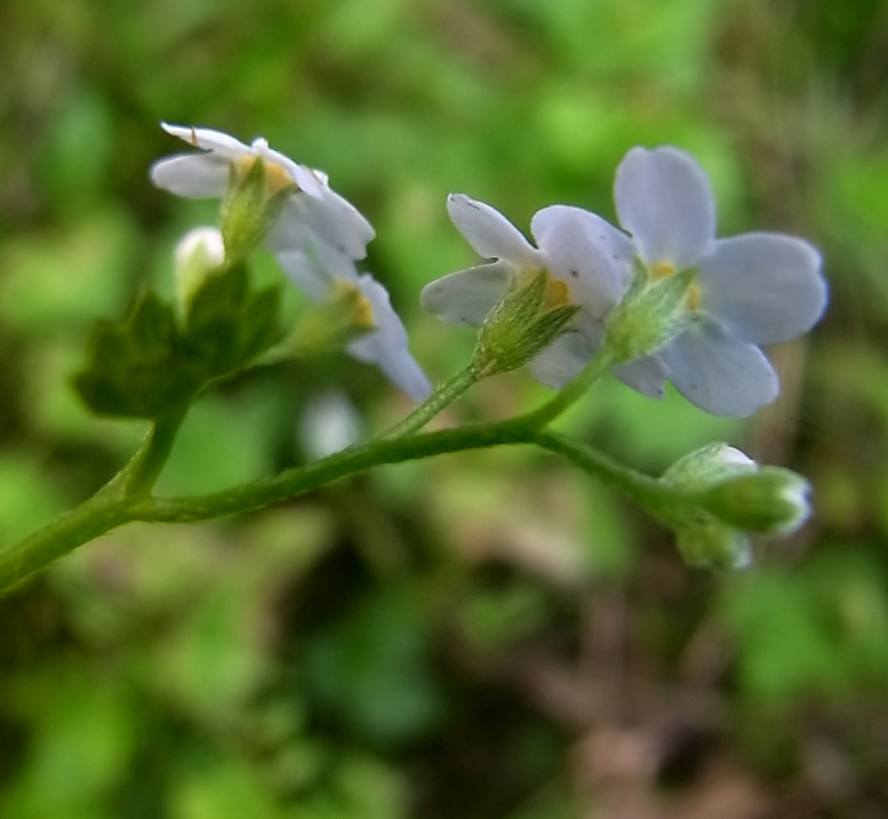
(673, 301)
(316, 234)
(663, 297)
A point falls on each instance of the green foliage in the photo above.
(147, 367)
(227, 326)
(137, 369)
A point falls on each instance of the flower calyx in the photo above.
(330, 325)
(534, 311)
(256, 194)
(658, 307)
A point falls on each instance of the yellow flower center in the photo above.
(660, 270)
(362, 317)
(557, 293)
(277, 177)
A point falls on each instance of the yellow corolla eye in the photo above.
(660, 270)
(277, 177)
(693, 297)
(557, 293)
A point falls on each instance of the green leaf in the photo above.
(226, 327)
(137, 369)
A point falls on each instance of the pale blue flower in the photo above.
(386, 344)
(578, 248)
(752, 289)
(313, 217)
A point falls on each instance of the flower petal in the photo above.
(646, 375)
(618, 244)
(344, 230)
(196, 176)
(304, 177)
(386, 345)
(563, 360)
(719, 374)
(208, 140)
(490, 234)
(307, 274)
(664, 200)
(763, 287)
(586, 253)
(465, 299)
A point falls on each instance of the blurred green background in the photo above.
(485, 635)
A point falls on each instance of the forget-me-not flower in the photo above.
(385, 343)
(584, 255)
(313, 217)
(748, 290)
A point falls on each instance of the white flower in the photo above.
(749, 290)
(578, 248)
(314, 217)
(386, 344)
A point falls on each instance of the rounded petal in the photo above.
(307, 274)
(763, 287)
(345, 231)
(646, 375)
(664, 200)
(304, 177)
(208, 140)
(564, 358)
(719, 374)
(386, 345)
(618, 245)
(351, 220)
(562, 361)
(490, 234)
(196, 176)
(578, 251)
(465, 299)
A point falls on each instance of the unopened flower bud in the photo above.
(771, 501)
(719, 496)
(198, 254)
(713, 545)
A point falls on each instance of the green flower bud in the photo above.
(771, 501)
(534, 311)
(719, 496)
(712, 545)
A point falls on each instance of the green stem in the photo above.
(126, 498)
(92, 518)
(442, 397)
(596, 368)
(643, 489)
(140, 474)
(296, 481)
